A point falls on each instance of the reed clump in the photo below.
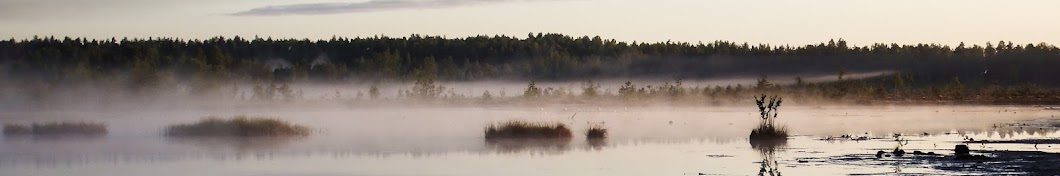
(527, 130)
(766, 129)
(769, 132)
(238, 126)
(596, 132)
(57, 128)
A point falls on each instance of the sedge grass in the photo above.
(239, 126)
(57, 128)
(526, 130)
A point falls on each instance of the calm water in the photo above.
(448, 141)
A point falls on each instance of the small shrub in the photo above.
(57, 128)
(523, 130)
(532, 91)
(426, 89)
(239, 126)
(766, 129)
(373, 92)
(590, 89)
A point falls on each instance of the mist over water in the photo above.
(422, 135)
(384, 135)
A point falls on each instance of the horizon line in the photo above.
(379, 36)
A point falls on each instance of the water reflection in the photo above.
(395, 140)
(535, 146)
(767, 150)
(238, 144)
(1004, 131)
(596, 144)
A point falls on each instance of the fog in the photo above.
(425, 130)
(448, 131)
(115, 94)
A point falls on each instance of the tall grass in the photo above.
(526, 130)
(239, 126)
(57, 128)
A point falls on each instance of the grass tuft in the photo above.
(239, 126)
(769, 132)
(526, 130)
(766, 139)
(57, 128)
(596, 132)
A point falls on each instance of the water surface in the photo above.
(448, 141)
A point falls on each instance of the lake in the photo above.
(436, 140)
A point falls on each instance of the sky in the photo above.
(792, 22)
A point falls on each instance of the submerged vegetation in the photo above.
(57, 128)
(239, 126)
(526, 130)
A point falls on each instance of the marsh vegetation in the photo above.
(767, 130)
(527, 130)
(56, 128)
(238, 126)
(596, 131)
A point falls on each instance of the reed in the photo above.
(57, 128)
(526, 130)
(238, 126)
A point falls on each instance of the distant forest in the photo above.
(1005, 72)
(541, 57)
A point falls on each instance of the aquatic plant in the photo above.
(57, 128)
(768, 132)
(238, 126)
(522, 129)
(596, 132)
(766, 129)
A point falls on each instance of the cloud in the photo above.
(357, 7)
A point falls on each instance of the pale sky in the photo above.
(795, 22)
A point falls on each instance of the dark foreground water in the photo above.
(448, 141)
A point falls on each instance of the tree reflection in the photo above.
(767, 150)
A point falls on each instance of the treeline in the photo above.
(154, 61)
